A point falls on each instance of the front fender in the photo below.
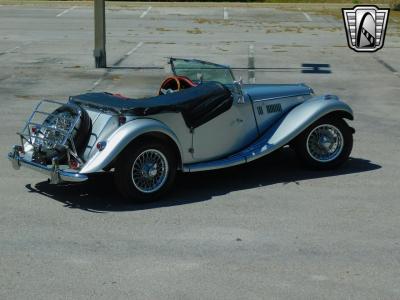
(118, 141)
(303, 115)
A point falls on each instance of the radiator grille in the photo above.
(260, 110)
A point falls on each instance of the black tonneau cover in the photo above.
(198, 105)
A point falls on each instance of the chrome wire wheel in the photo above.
(51, 134)
(325, 143)
(150, 171)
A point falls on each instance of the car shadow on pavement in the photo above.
(99, 194)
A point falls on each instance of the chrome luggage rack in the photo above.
(33, 127)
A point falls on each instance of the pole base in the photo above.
(100, 59)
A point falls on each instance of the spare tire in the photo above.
(62, 118)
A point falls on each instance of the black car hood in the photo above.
(273, 91)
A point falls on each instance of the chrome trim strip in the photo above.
(281, 97)
(216, 164)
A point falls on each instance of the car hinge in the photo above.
(191, 149)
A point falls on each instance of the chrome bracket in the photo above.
(17, 149)
(55, 176)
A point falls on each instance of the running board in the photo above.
(259, 148)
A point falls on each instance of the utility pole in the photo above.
(100, 34)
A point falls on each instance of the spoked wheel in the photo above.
(325, 144)
(48, 137)
(145, 171)
(149, 171)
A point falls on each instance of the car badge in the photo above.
(365, 27)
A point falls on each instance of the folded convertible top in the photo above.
(198, 104)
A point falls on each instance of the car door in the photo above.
(230, 131)
(226, 134)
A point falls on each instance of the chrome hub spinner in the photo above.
(325, 143)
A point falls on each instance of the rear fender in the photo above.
(121, 138)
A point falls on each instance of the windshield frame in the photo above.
(207, 63)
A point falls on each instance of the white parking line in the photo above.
(307, 17)
(16, 48)
(394, 20)
(134, 49)
(145, 12)
(251, 65)
(226, 14)
(66, 11)
(12, 49)
(97, 82)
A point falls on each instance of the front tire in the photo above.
(326, 144)
(145, 170)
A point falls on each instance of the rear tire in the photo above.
(145, 170)
(326, 144)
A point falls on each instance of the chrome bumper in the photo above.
(55, 174)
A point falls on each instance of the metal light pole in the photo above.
(100, 34)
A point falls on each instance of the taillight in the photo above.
(73, 164)
(101, 145)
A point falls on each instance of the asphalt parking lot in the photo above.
(268, 230)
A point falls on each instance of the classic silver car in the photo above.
(201, 119)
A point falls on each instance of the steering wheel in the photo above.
(174, 84)
(170, 85)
